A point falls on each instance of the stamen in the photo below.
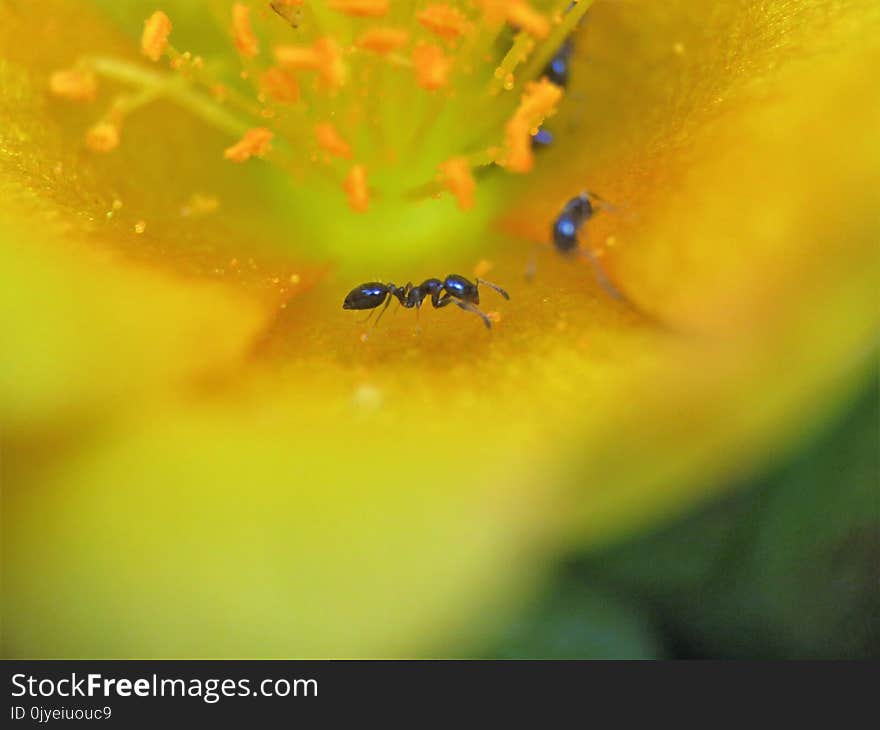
(297, 58)
(154, 39)
(103, 136)
(331, 141)
(361, 8)
(278, 84)
(242, 33)
(571, 12)
(323, 56)
(74, 84)
(522, 15)
(457, 177)
(330, 64)
(538, 102)
(355, 186)
(431, 66)
(516, 12)
(383, 40)
(445, 21)
(255, 143)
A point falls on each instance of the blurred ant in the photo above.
(556, 71)
(454, 289)
(567, 226)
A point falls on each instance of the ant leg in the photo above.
(368, 317)
(495, 287)
(599, 272)
(468, 307)
(387, 302)
(532, 265)
(441, 301)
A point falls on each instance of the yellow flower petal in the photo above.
(317, 487)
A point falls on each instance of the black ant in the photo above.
(454, 289)
(556, 71)
(567, 226)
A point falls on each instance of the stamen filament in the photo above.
(182, 94)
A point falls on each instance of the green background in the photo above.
(787, 565)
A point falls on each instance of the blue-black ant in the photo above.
(567, 226)
(556, 72)
(454, 289)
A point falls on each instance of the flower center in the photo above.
(393, 126)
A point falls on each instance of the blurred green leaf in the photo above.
(786, 567)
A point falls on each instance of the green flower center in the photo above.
(385, 128)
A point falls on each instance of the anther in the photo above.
(355, 186)
(74, 84)
(522, 15)
(431, 66)
(457, 178)
(154, 39)
(445, 21)
(280, 85)
(382, 40)
(256, 142)
(361, 8)
(242, 33)
(331, 141)
(103, 136)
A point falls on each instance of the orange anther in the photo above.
(255, 142)
(74, 84)
(154, 39)
(330, 64)
(459, 181)
(280, 85)
(516, 12)
(323, 56)
(494, 11)
(444, 20)
(361, 8)
(246, 42)
(431, 66)
(382, 40)
(518, 143)
(539, 101)
(331, 141)
(103, 137)
(522, 15)
(355, 186)
(297, 58)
